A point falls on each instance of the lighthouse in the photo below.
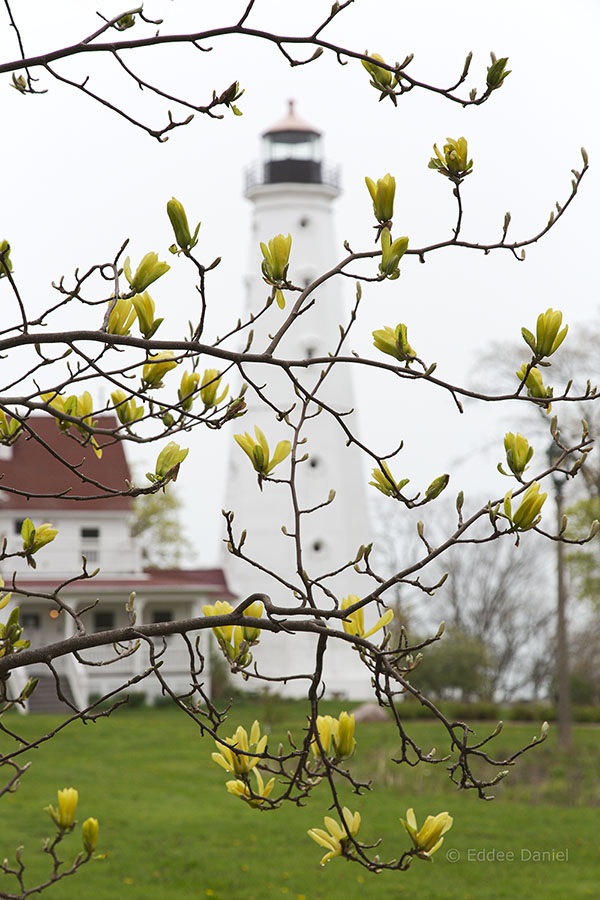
(292, 190)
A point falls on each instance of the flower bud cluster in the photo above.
(235, 641)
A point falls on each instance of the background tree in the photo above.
(494, 603)
(157, 522)
(458, 668)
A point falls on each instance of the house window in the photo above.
(90, 544)
(30, 620)
(162, 615)
(104, 621)
(18, 525)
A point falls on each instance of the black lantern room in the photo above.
(292, 151)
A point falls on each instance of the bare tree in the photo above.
(499, 596)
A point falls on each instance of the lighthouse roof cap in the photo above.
(291, 122)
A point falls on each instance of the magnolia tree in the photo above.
(161, 389)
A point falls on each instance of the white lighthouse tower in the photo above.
(292, 191)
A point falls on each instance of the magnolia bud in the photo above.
(179, 221)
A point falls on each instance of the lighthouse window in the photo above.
(314, 462)
(304, 222)
(310, 351)
(317, 546)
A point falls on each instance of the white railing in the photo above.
(18, 680)
(78, 678)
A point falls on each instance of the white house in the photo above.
(100, 529)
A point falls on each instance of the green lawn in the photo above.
(171, 831)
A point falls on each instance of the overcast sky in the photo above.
(77, 181)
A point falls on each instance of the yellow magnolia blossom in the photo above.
(36, 538)
(430, 837)
(19, 83)
(535, 384)
(178, 219)
(354, 623)
(4, 598)
(275, 263)
(144, 307)
(67, 804)
(391, 254)
(381, 79)
(126, 408)
(122, 317)
(235, 641)
(255, 611)
(335, 735)
(454, 163)
(220, 608)
(527, 515)
(325, 729)
(185, 391)
(385, 482)
(344, 735)
(169, 458)
(77, 407)
(394, 342)
(9, 428)
(276, 258)
(382, 194)
(148, 271)
(157, 367)
(253, 798)
(85, 407)
(209, 388)
(258, 451)
(336, 839)
(89, 835)
(237, 650)
(57, 402)
(548, 337)
(229, 756)
(518, 453)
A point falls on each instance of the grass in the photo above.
(171, 830)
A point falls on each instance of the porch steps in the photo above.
(45, 700)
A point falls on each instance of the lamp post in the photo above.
(562, 653)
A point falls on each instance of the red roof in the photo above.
(37, 467)
(151, 579)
